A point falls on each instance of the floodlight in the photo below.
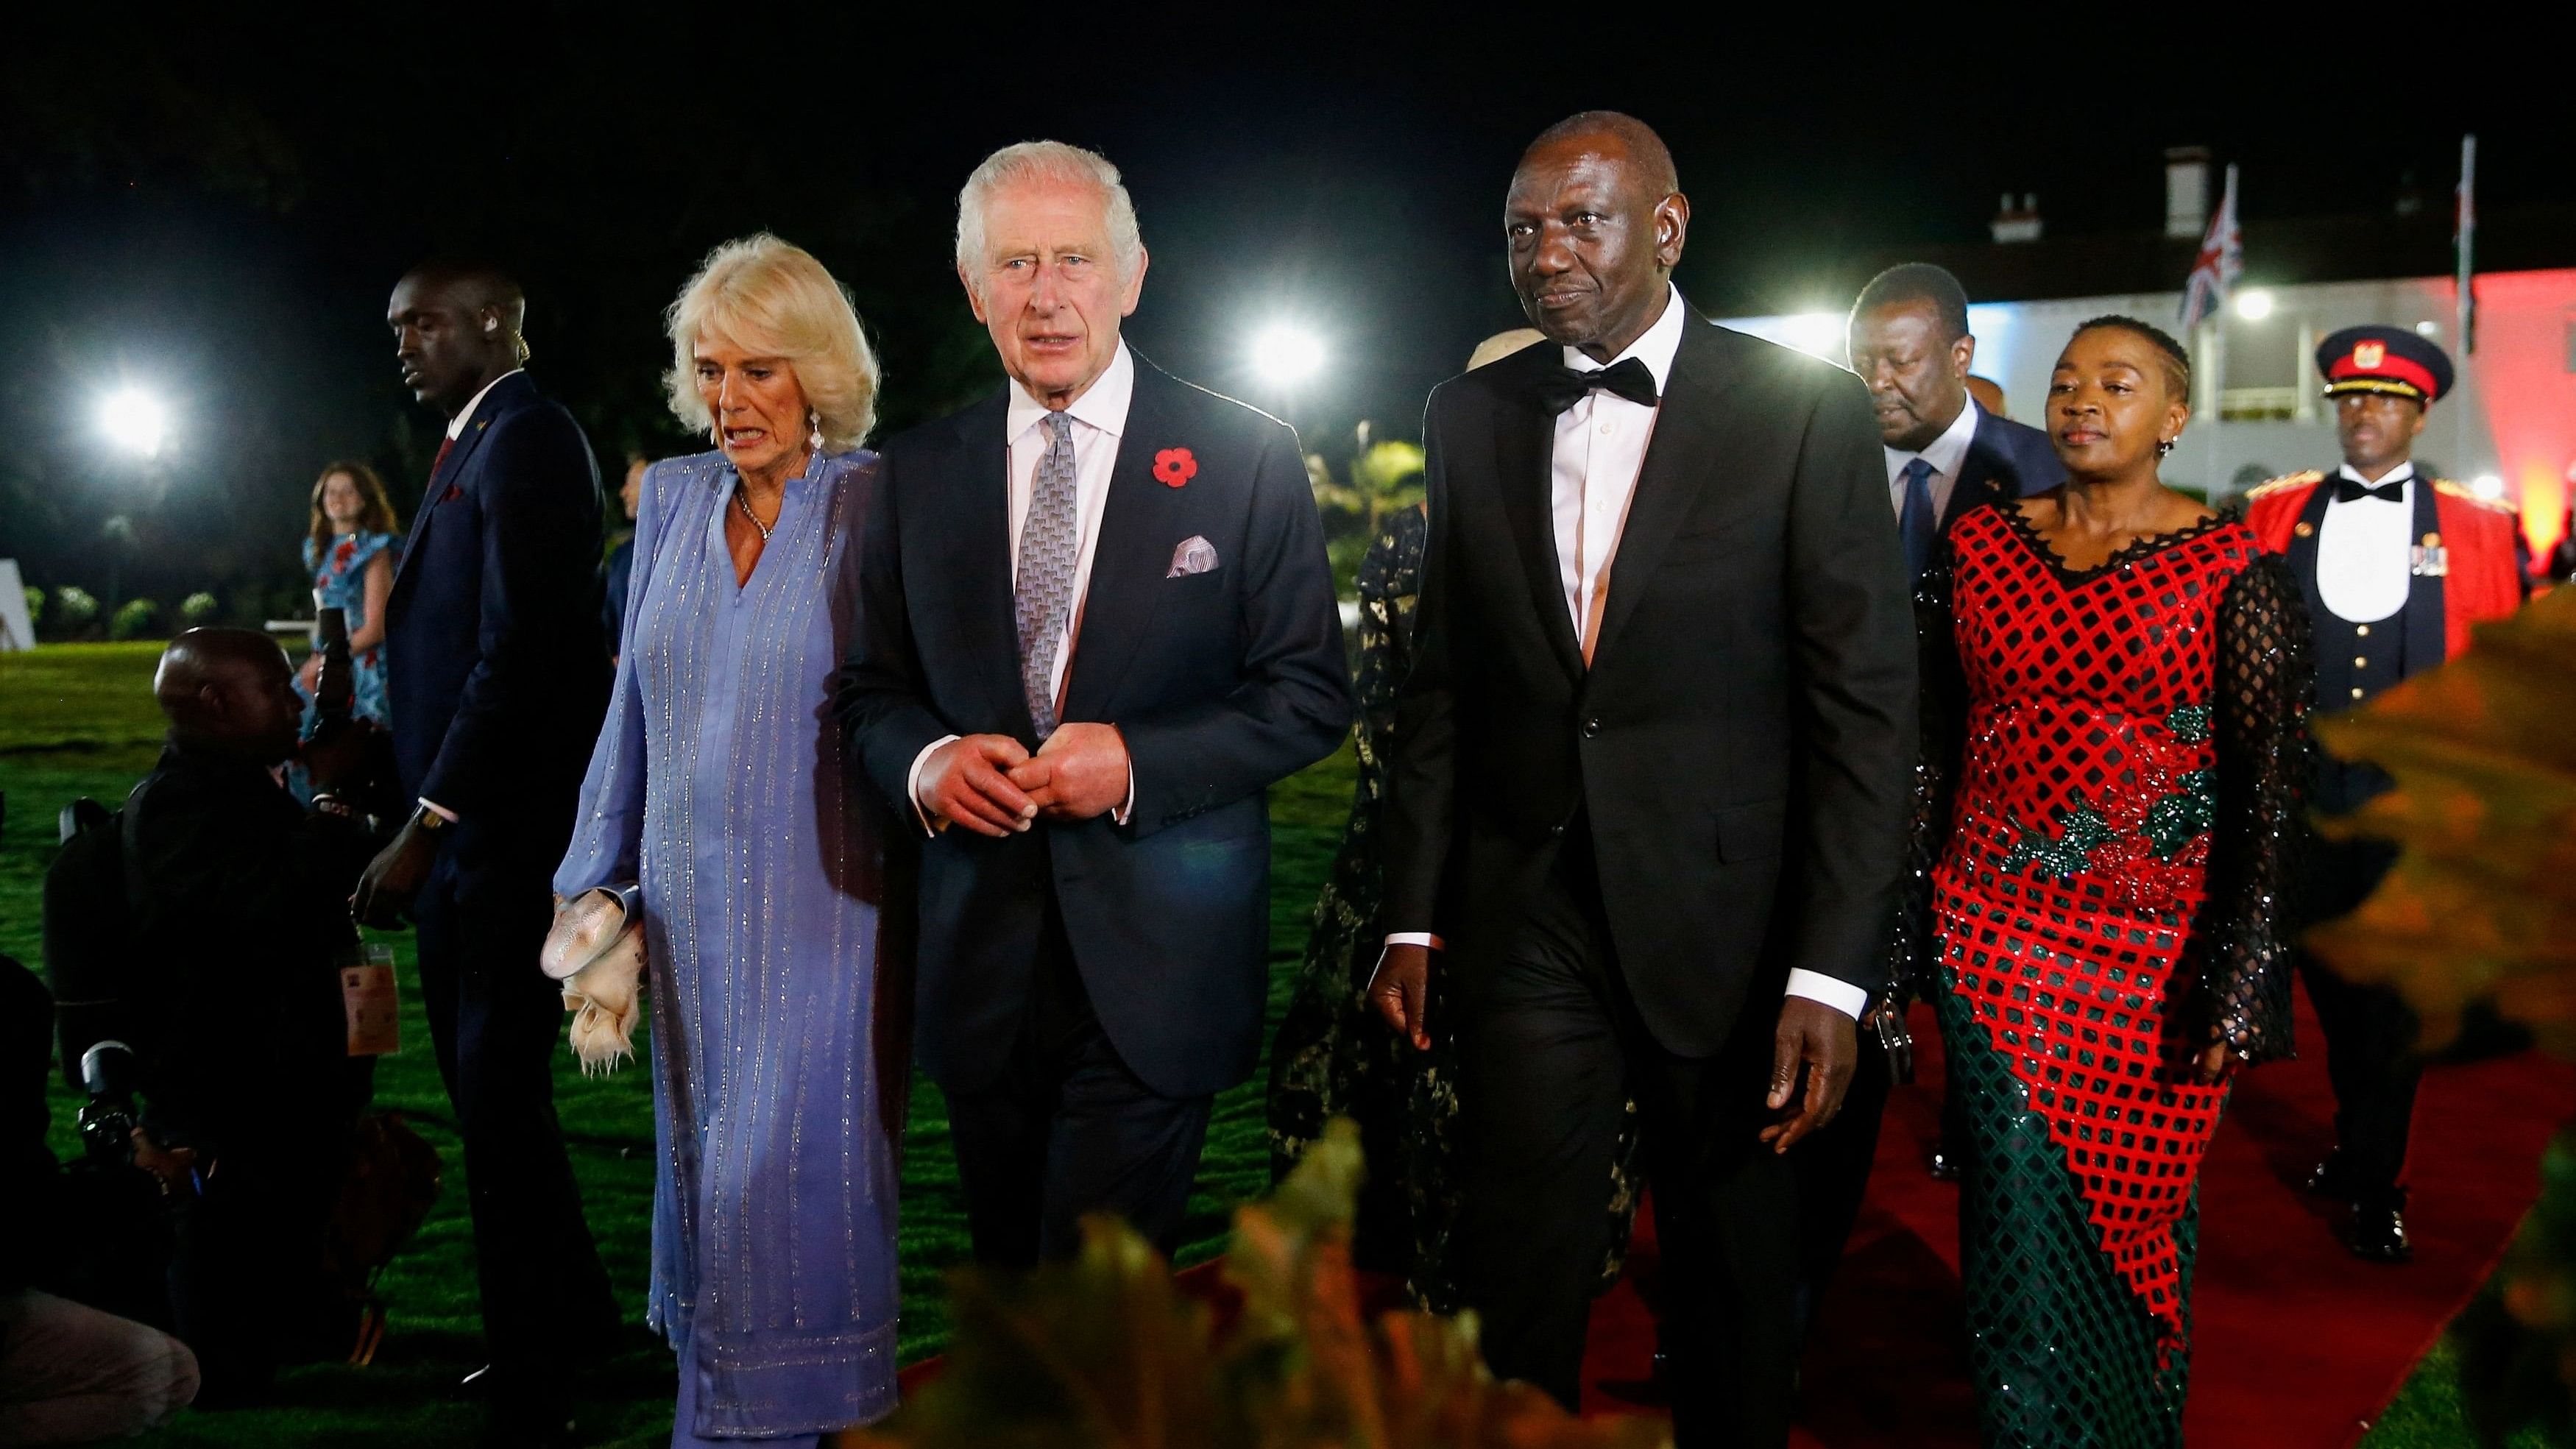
(2254, 305)
(1286, 355)
(2487, 486)
(1818, 334)
(134, 420)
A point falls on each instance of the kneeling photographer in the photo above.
(216, 993)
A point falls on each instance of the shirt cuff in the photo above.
(1122, 813)
(434, 808)
(1415, 938)
(1841, 995)
(930, 824)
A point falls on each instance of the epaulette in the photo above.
(2287, 480)
(2462, 491)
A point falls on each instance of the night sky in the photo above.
(218, 208)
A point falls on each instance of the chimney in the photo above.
(2187, 192)
(2016, 224)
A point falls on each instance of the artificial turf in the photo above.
(79, 720)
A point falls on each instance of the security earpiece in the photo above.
(489, 325)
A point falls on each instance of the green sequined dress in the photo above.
(2109, 799)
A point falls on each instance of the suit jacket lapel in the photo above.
(441, 477)
(1525, 454)
(1981, 475)
(981, 553)
(1678, 465)
(1131, 556)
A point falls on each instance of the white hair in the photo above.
(774, 299)
(1045, 161)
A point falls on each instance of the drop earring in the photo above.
(2164, 446)
(814, 439)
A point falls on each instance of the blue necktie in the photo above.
(1917, 522)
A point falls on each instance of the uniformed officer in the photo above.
(2396, 567)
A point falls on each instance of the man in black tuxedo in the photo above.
(1649, 782)
(1099, 624)
(1945, 454)
(499, 678)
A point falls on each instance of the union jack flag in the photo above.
(2221, 260)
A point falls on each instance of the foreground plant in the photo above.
(1106, 1351)
(2482, 907)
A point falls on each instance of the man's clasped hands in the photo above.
(992, 785)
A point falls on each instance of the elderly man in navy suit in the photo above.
(1946, 454)
(1098, 625)
(499, 677)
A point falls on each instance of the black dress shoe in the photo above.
(2376, 1232)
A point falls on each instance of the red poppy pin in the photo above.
(1175, 466)
(452, 492)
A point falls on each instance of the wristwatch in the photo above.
(430, 822)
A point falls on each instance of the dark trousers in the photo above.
(1549, 1043)
(1832, 1168)
(1067, 1129)
(2370, 1032)
(2371, 1062)
(497, 1022)
(248, 1287)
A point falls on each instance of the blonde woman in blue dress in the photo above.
(717, 789)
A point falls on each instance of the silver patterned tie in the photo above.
(1043, 593)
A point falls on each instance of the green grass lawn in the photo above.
(78, 720)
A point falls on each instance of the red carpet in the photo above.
(2297, 1345)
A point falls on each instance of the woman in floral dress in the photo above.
(349, 552)
(2114, 690)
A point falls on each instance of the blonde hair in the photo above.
(1046, 161)
(773, 298)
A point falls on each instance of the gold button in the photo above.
(2305, 529)
(2362, 629)
(2356, 694)
(2360, 663)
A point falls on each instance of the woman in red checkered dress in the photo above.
(2113, 697)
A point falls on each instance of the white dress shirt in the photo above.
(455, 430)
(1947, 454)
(1099, 418)
(456, 424)
(1600, 447)
(2366, 549)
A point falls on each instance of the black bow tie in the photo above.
(2348, 491)
(1562, 387)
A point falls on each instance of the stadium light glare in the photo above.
(2487, 486)
(2254, 305)
(1818, 334)
(1286, 355)
(134, 420)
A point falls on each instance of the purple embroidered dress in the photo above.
(718, 785)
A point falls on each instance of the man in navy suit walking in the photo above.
(1945, 454)
(1098, 625)
(498, 677)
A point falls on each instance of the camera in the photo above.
(107, 1119)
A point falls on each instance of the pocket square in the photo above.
(1197, 556)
